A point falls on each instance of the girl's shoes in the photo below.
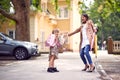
(55, 70)
(85, 68)
(52, 70)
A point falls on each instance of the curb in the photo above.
(101, 71)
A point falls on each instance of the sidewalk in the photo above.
(108, 65)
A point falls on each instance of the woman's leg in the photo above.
(86, 51)
(82, 55)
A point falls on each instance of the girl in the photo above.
(53, 43)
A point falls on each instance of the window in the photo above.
(1, 39)
(63, 13)
(11, 33)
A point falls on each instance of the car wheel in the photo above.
(20, 53)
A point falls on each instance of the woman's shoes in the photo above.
(87, 67)
(52, 70)
(92, 69)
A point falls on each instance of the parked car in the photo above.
(21, 50)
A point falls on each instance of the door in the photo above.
(5, 48)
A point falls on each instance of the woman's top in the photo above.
(89, 33)
(85, 40)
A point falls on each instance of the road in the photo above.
(69, 65)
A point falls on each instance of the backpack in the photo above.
(50, 41)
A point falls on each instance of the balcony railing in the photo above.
(113, 46)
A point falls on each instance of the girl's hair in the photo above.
(85, 15)
(55, 30)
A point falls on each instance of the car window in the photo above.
(1, 39)
(8, 37)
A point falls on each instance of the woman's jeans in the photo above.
(84, 53)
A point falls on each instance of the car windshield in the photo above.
(7, 36)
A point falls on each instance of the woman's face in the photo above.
(84, 19)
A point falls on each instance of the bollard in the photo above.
(95, 45)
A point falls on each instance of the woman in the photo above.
(86, 43)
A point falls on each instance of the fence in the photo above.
(113, 46)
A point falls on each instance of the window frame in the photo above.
(13, 35)
(63, 13)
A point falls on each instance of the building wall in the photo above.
(62, 24)
(75, 21)
(70, 24)
(6, 27)
(40, 28)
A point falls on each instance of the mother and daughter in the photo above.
(87, 31)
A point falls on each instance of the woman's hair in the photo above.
(55, 30)
(85, 15)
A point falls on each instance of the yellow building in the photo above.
(8, 28)
(42, 23)
(67, 20)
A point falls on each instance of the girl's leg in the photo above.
(51, 62)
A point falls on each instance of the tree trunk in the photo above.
(22, 9)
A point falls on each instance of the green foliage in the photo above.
(81, 7)
(68, 3)
(5, 4)
(2, 19)
(55, 3)
(106, 14)
(11, 22)
(56, 7)
(36, 4)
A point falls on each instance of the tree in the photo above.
(106, 13)
(21, 16)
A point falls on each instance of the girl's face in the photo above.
(56, 33)
(84, 19)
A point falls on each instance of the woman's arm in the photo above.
(74, 32)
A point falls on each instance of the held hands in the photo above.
(63, 38)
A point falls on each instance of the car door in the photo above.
(4, 48)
